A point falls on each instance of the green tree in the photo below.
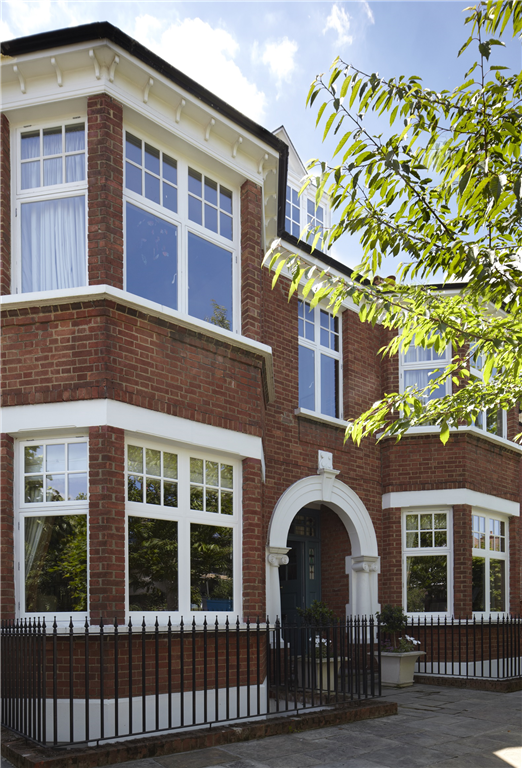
(442, 193)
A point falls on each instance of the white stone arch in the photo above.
(363, 566)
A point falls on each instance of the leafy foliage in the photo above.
(443, 191)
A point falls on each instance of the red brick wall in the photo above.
(5, 206)
(105, 190)
(106, 524)
(253, 554)
(462, 561)
(7, 591)
(515, 569)
(335, 546)
(251, 257)
(390, 549)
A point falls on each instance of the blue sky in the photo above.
(262, 56)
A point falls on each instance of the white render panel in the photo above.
(449, 497)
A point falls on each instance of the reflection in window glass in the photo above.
(329, 382)
(152, 257)
(46, 467)
(153, 564)
(55, 563)
(211, 568)
(497, 585)
(306, 378)
(210, 282)
(427, 584)
(478, 584)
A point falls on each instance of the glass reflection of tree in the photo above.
(153, 564)
(210, 564)
(427, 583)
(56, 563)
(219, 316)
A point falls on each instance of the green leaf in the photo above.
(444, 433)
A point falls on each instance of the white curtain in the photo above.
(53, 244)
(420, 378)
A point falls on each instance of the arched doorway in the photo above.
(362, 565)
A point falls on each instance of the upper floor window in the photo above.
(489, 420)
(51, 201)
(181, 241)
(314, 219)
(426, 561)
(53, 508)
(319, 360)
(183, 531)
(419, 367)
(293, 212)
(490, 566)
(312, 216)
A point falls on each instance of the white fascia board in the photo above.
(25, 421)
(449, 497)
(108, 292)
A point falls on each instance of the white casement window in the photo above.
(490, 563)
(418, 367)
(183, 546)
(181, 234)
(293, 212)
(427, 566)
(52, 504)
(493, 421)
(319, 360)
(50, 207)
(314, 218)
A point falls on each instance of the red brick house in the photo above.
(172, 428)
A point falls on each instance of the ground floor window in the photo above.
(182, 531)
(490, 561)
(426, 561)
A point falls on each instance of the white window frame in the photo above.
(304, 217)
(476, 369)
(319, 350)
(40, 509)
(489, 554)
(184, 516)
(428, 551)
(38, 194)
(184, 224)
(423, 365)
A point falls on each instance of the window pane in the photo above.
(55, 487)
(153, 565)
(329, 381)
(53, 244)
(53, 171)
(170, 465)
(306, 378)
(226, 503)
(195, 210)
(225, 225)
(170, 197)
(170, 494)
(212, 501)
(135, 488)
(494, 422)
(77, 456)
(412, 522)
(196, 470)
(211, 568)
(74, 168)
(152, 162)
(427, 584)
(135, 458)
(211, 470)
(33, 458)
(55, 458)
(77, 486)
(412, 540)
(211, 218)
(133, 148)
(133, 178)
(170, 169)
(152, 188)
(30, 145)
(210, 191)
(497, 585)
(75, 138)
(225, 200)
(194, 182)
(153, 491)
(153, 461)
(478, 584)
(52, 141)
(226, 476)
(56, 563)
(152, 261)
(210, 282)
(33, 489)
(31, 175)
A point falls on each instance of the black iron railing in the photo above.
(479, 648)
(72, 685)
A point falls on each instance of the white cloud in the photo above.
(368, 11)
(279, 56)
(6, 32)
(207, 55)
(339, 21)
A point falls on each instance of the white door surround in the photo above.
(363, 566)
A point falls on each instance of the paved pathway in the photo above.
(436, 726)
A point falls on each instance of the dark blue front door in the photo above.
(300, 580)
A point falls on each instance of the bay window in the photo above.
(180, 234)
(419, 367)
(51, 206)
(426, 561)
(489, 569)
(183, 531)
(319, 360)
(53, 510)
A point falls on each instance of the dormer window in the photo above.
(302, 212)
(181, 240)
(293, 212)
(314, 219)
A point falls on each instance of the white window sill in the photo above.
(304, 413)
(432, 430)
(100, 292)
